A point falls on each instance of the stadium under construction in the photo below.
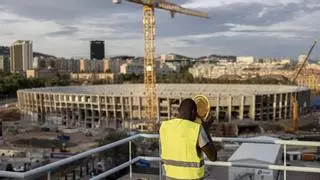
(114, 106)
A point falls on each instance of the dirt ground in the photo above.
(79, 140)
(10, 114)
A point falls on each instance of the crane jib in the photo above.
(170, 7)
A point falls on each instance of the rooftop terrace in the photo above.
(49, 169)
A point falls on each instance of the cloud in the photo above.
(65, 31)
(281, 27)
(244, 27)
(219, 3)
(263, 12)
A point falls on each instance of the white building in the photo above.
(173, 66)
(285, 61)
(245, 59)
(137, 67)
(267, 154)
(176, 58)
(208, 70)
(21, 56)
(132, 68)
(114, 64)
(302, 58)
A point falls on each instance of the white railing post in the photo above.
(130, 159)
(285, 161)
(49, 175)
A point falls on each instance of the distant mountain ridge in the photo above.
(215, 58)
(4, 50)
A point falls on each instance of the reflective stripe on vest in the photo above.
(170, 178)
(179, 152)
(182, 163)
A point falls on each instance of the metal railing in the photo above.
(49, 168)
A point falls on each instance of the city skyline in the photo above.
(283, 28)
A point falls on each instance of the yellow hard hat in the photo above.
(203, 107)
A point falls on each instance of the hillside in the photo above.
(5, 51)
(214, 57)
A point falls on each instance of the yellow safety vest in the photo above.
(179, 154)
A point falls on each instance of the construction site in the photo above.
(116, 106)
(72, 119)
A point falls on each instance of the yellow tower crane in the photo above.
(150, 47)
(294, 102)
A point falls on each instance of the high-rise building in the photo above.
(21, 56)
(4, 64)
(97, 50)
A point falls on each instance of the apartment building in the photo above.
(4, 64)
(21, 56)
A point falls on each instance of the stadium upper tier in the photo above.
(111, 105)
(171, 89)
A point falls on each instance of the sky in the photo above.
(262, 28)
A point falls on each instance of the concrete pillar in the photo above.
(107, 111)
(230, 108)
(140, 107)
(218, 108)
(261, 108)
(286, 106)
(169, 108)
(268, 107)
(92, 112)
(85, 112)
(114, 107)
(100, 112)
(241, 109)
(253, 108)
(158, 109)
(114, 112)
(274, 106)
(280, 107)
(131, 107)
(79, 110)
(290, 105)
(122, 107)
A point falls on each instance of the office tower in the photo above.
(21, 56)
(97, 50)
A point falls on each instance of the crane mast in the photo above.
(294, 102)
(296, 75)
(149, 63)
(150, 48)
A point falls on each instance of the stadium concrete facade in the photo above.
(116, 105)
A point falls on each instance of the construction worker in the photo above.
(182, 141)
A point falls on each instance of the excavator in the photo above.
(294, 102)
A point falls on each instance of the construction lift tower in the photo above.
(150, 47)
